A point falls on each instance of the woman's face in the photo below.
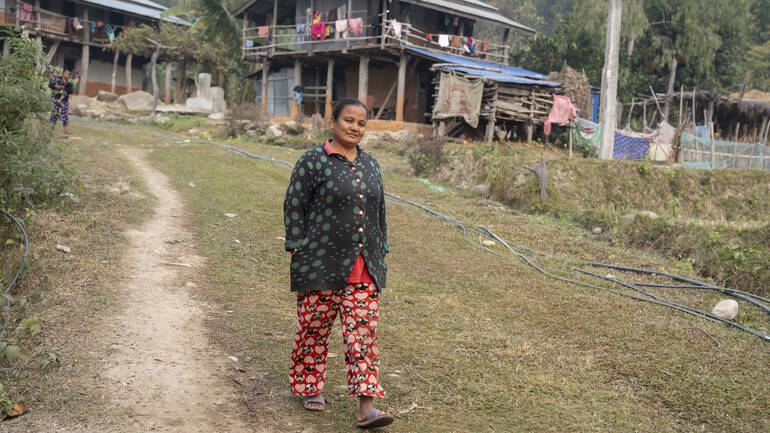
(350, 126)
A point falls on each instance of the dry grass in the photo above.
(470, 342)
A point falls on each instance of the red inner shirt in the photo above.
(359, 274)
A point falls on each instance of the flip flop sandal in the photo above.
(318, 399)
(374, 419)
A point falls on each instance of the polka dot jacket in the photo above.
(334, 210)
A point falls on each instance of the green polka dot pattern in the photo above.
(334, 210)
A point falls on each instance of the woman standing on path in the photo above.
(61, 101)
(334, 214)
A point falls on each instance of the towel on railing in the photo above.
(341, 29)
(356, 25)
(318, 31)
(76, 24)
(107, 30)
(396, 28)
(26, 12)
(484, 47)
(456, 41)
(249, 43)
(443, 41)
(300, 32)
(263, 31)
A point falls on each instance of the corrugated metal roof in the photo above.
(143, 8)
(507, 74)
(481, 3)
(471, 11)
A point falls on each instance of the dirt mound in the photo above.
(576, 86)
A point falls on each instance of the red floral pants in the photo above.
(358, 308)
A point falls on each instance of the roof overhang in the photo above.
(473, 12)
(143, 8)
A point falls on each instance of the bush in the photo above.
(426, 155)
(31, 172)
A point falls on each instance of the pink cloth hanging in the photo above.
(484, 47)
(356, 25)
(264, 31)
(26, 12)
(561, 113)
(318, 31)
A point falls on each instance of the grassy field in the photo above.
(470, 342)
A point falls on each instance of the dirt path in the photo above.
(162, 372)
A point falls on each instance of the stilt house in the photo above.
(75, 33)
(392, 55)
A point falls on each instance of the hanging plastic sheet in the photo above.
(459, 97)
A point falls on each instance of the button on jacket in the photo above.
(334, 210)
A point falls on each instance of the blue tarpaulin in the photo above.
(507, 74)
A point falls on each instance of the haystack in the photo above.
(575, 86)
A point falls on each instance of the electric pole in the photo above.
(610, 88)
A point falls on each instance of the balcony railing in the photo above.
(46, 22)
(268, 41)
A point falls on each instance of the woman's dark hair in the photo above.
(344, 102)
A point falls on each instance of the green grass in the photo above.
(478, 343)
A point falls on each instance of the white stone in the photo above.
(232, 358)
(137, 101)
(596, 230)
(482, 189)
(649, 214)
(217, 116)
(208, 99)
(274, 131)
(726, 309)
(63, 248)
(488, 243)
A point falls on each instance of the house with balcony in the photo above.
(394, 56)
(78, 35)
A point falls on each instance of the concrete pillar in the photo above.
(84, 59)
(329, 88)
(400, 89)
(129, 67)
(610, 88)
(296, 108)
(363, 78)
(265, 78)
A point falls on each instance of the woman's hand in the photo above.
(294, 251)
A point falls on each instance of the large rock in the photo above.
(105, 96)
(293, 127)
(79, 100)
(726, 309)
(137, 101)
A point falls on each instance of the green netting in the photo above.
(698, 152)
